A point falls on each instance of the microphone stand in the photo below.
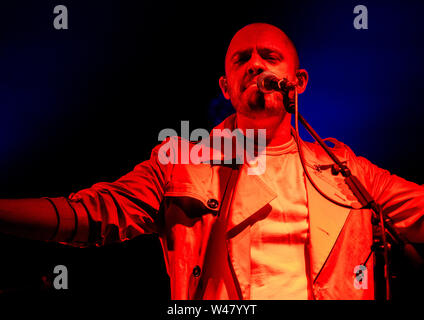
(382, 225)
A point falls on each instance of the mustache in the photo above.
(248, 81)
(257, 102)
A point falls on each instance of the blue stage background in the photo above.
(86, 104)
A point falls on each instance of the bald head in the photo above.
(265, 35)
(254, 49)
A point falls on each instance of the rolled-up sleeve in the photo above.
(121, 210)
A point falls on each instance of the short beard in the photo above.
(256, 108)
(257, 102)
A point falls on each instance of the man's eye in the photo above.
(272, 58)
(242, 59)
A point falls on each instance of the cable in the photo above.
(380, 212)
(302, 160)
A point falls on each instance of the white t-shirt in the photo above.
(278, 240)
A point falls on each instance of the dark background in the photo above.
(86, 104)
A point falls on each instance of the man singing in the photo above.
(227, 234)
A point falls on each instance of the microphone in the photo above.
(268, 82)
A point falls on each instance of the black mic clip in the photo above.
(268, 82)
(285, 85)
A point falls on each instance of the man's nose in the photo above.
(256, 65)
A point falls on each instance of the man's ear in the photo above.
(224, 86)
(302, 80)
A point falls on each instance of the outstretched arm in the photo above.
(50, 219)
(401, 200)
(105, 212)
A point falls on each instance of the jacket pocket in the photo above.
(191, 200)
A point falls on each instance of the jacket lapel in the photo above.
(250, 195)
(326, 219)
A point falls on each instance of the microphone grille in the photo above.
(267, 82)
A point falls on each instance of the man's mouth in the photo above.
(250, 83)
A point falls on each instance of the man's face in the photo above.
(254, 49)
